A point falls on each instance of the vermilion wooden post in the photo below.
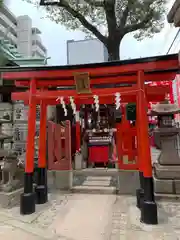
(41, 187)
(149, 207)
(140, 191)
(27, 201)
(171, 92)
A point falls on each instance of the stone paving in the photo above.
(90, 216)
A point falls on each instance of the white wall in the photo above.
(24, 34)
(85, 51)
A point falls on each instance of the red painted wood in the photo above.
(59, 146)
(156, 93)
(29, 164)
(144, 154)
(153, 77)
(98, 154)
(42, 136)
(98, 71)
(125, 144)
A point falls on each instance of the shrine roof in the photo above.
(93, 65)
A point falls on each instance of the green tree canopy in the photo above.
(108, 20)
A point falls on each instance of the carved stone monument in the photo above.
(11, 173)
(167, 169)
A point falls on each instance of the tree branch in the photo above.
(64, 4)
(109, 7)
(96, 3)
(140, 25)
(125, 14)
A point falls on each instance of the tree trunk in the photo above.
(113, 50)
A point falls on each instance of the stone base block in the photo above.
(163, 186)
(78, 161)
(128, 182)
(61, 180)
(9, 200)
(167, 172)
(149, 213)
(177, 186)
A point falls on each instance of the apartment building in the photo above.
(8, 25)
(86, 51)
(20, 32)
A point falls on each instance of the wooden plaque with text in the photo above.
(82, 82)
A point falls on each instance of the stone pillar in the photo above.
(78, 161)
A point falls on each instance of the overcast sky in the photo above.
(54, 36)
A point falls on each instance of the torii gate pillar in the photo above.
(28, 198)
(148, 204)
(41, 187)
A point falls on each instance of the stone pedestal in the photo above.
(167, 170)
(10, 199)
(128, 182)
(61, 180)
(167, 179)
(169, 146)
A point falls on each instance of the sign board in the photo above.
(82, 82)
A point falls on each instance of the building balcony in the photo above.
(36, 30)
(6, 34)
(38, 43)
(4, 10)
(6, 23)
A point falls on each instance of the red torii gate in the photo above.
(132, 72)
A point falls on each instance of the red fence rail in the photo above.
(126, 137)
(59, 146)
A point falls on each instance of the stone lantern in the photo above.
(167, 169)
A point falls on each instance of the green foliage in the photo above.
(144, 16)
(108, 20)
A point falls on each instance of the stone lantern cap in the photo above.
(164, 109)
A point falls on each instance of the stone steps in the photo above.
(96, 185)
(94, 190)
(96, 172)
(98, 178)
(108, 181)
